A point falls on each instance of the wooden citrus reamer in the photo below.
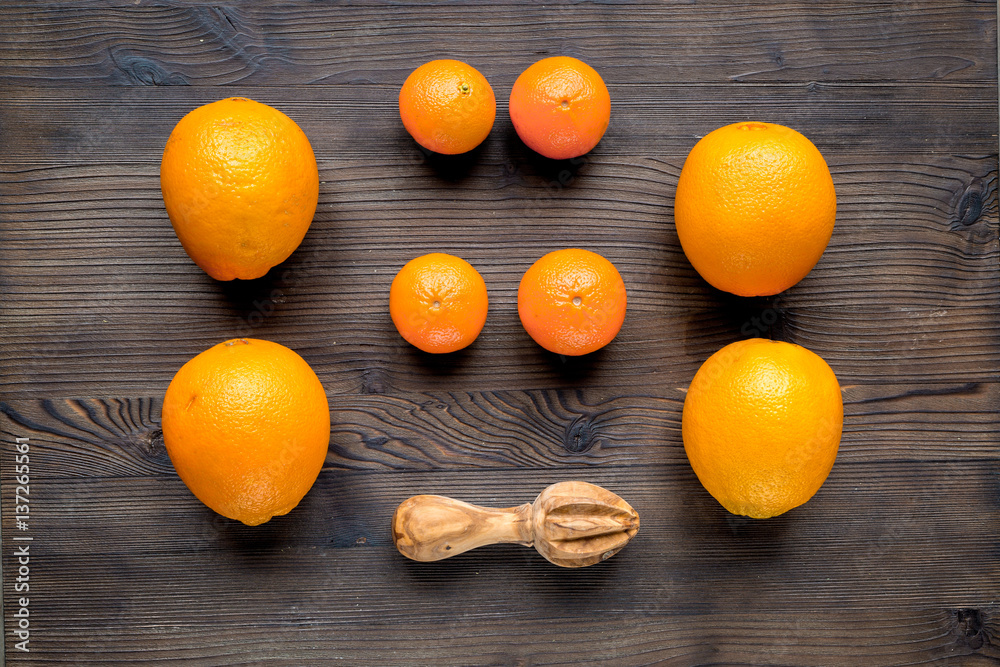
(571, 524)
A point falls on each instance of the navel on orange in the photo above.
(438, 303)
(572, 301)
(560, 107)
(447, 106)
(761, 426)
(240, 185)
(755, 208)
(247, 425)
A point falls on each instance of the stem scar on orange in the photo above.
(761, 425)
(754, 208)
(572, 301)
(247, 426)
(438, 303)
(240, 184)
(560, 107)
(447, 106)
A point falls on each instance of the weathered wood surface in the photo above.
(130, 43)
(895, 562)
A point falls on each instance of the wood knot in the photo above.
(970, 628)
(970, 206)
(153, 439)
(148, 446)
(144, 71)
(375, 441)
(373, 381)
(580, 435)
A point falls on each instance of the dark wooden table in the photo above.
(895, 562)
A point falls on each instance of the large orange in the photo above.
(755, 208)
(572, 301)
(240, 185)
(447, 106)
(438, 303)
(761, 426)
(247, 426)
(560, 107)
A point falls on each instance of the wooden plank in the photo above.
(106, 355)
(819, 556)
(657, 120)
(886, 638)
(544, 429)
(102, 227)
(301, 43)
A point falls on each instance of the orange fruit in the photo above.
(247, 425)
(754, 208)
(240, 185)
(572, 301)
(447, 106)
(761, 426)
(560, 107)
(438, 303)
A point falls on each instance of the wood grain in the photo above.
(904, 344)
(876, 534)
(657, 118)
(541, 430)
(940, 636)
(300, 43)
(896, 561)
(96, 446)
